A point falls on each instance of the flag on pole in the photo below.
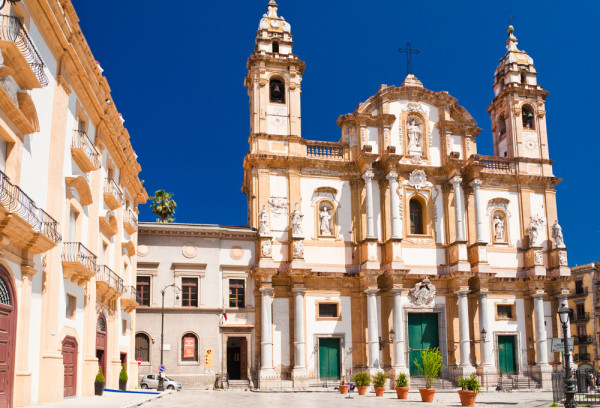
(224, 313)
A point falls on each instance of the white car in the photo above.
(151, 381)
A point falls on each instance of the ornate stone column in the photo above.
(464, 336)
(266, 333)
(399, 363)
(459, 210)
(541, 364)
(368, 178)
(392, 177)
(479, 213)
(299, 341)
(487, 364)
(373, 329)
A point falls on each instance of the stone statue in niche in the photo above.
(498, 227)
(297, 217)
(266, 248)
(325, 219)
(263, 221)
(414, 133)
(558, 235)
(298, 249)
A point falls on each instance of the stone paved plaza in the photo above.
(243, 399)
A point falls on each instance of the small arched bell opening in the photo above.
(277, 91)
(528, 117)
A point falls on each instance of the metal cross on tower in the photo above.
(409, 53)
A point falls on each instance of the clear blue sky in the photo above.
(176, 70)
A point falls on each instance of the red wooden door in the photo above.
(8, 325)
(69, 352)
(101, 343)
(243, 358)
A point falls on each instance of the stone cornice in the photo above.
(196, 230)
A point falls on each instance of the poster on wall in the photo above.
(189, 346)
(208, 359)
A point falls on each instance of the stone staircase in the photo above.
(439, 383)
(517, 382)
(239, 385)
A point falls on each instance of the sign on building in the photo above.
(209, 363)
(558, 345)
(189, 347)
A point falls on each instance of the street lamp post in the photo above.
(563, 314)
(161, 385)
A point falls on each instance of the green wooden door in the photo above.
(422, 334)
(506, 354)
(329, 358)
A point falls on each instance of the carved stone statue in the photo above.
(414, 135)
(423, 294)
(325, 224)
(297, 217)
(558, 235)
(298, 249)
(263, 221)
(266, 248)
(562, 258)
(535, 225)
(498, 227)
(538, 257)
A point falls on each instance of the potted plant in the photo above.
(123, 378)
(468, 393)
(99, 382)
(362, 381)
(344, 386)
(379, 383)
(431, 366)
(402, 386)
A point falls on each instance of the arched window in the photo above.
(416, 216)
(101, 325)
(275, 47)
(189, 347)
(142, 347)
(4, 293)
(528, 117)
(277, 91)
(523, 78)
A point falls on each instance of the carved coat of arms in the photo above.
(423, 294)
(418, 179)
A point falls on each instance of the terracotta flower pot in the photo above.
(379, 391)
(362, 390)
(402, 392)
(427, 394)
(467, 398)
(344, 388)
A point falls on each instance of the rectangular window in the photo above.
(124, 326)
(143, 290)
(505, 312)
(189, 288)
(580, 310)
(581, 332)
(71, 307)
(579, 286)
(236, 293)
(328, 310)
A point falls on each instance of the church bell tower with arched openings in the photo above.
(274, 77)
(518, 109)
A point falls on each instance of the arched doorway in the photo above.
(101, 342)
(69, 353)
(8, 329)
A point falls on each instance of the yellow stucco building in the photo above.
(69, 193)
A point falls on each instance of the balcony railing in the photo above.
(11, 29)
(582, 292)
(129, 299)
(14, 200)
(113, 194)
(495, 164)
(582, 317)
(583, 340)
(108, 276)
(130, 221)
(89, 158)
(77, 253)
(324, 151)
(581, 357)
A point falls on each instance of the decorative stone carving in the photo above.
(497, 204)
(325, 219)
(535, 225)
(296, 220)
(278, 205)
(298, 249)
(538, 257)
(265, 248)
(416, 159)
(417, 179)
(414, 132)
(386, 135)
(416, 107)
(236, 253)
(363, 135)
(498, 227)
(263, 221)
(142, 250)
(423, 294)
(189, 250)
(558, 235)
(562, 258)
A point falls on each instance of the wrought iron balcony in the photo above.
(130, 221)
(579, 293)
(129, 298)
(583, 340)
(14, 37)
(581, 357)
(109, 285)
(79, 263)
(84, 152)
(29, 226)
(582, 317)
(113, 196)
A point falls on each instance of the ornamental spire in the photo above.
(511, 42)
(272, 9)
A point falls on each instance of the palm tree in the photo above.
(163, 206)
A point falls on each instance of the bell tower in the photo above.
(274, 77)
(518, 110)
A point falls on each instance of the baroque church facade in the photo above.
(401, 237)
